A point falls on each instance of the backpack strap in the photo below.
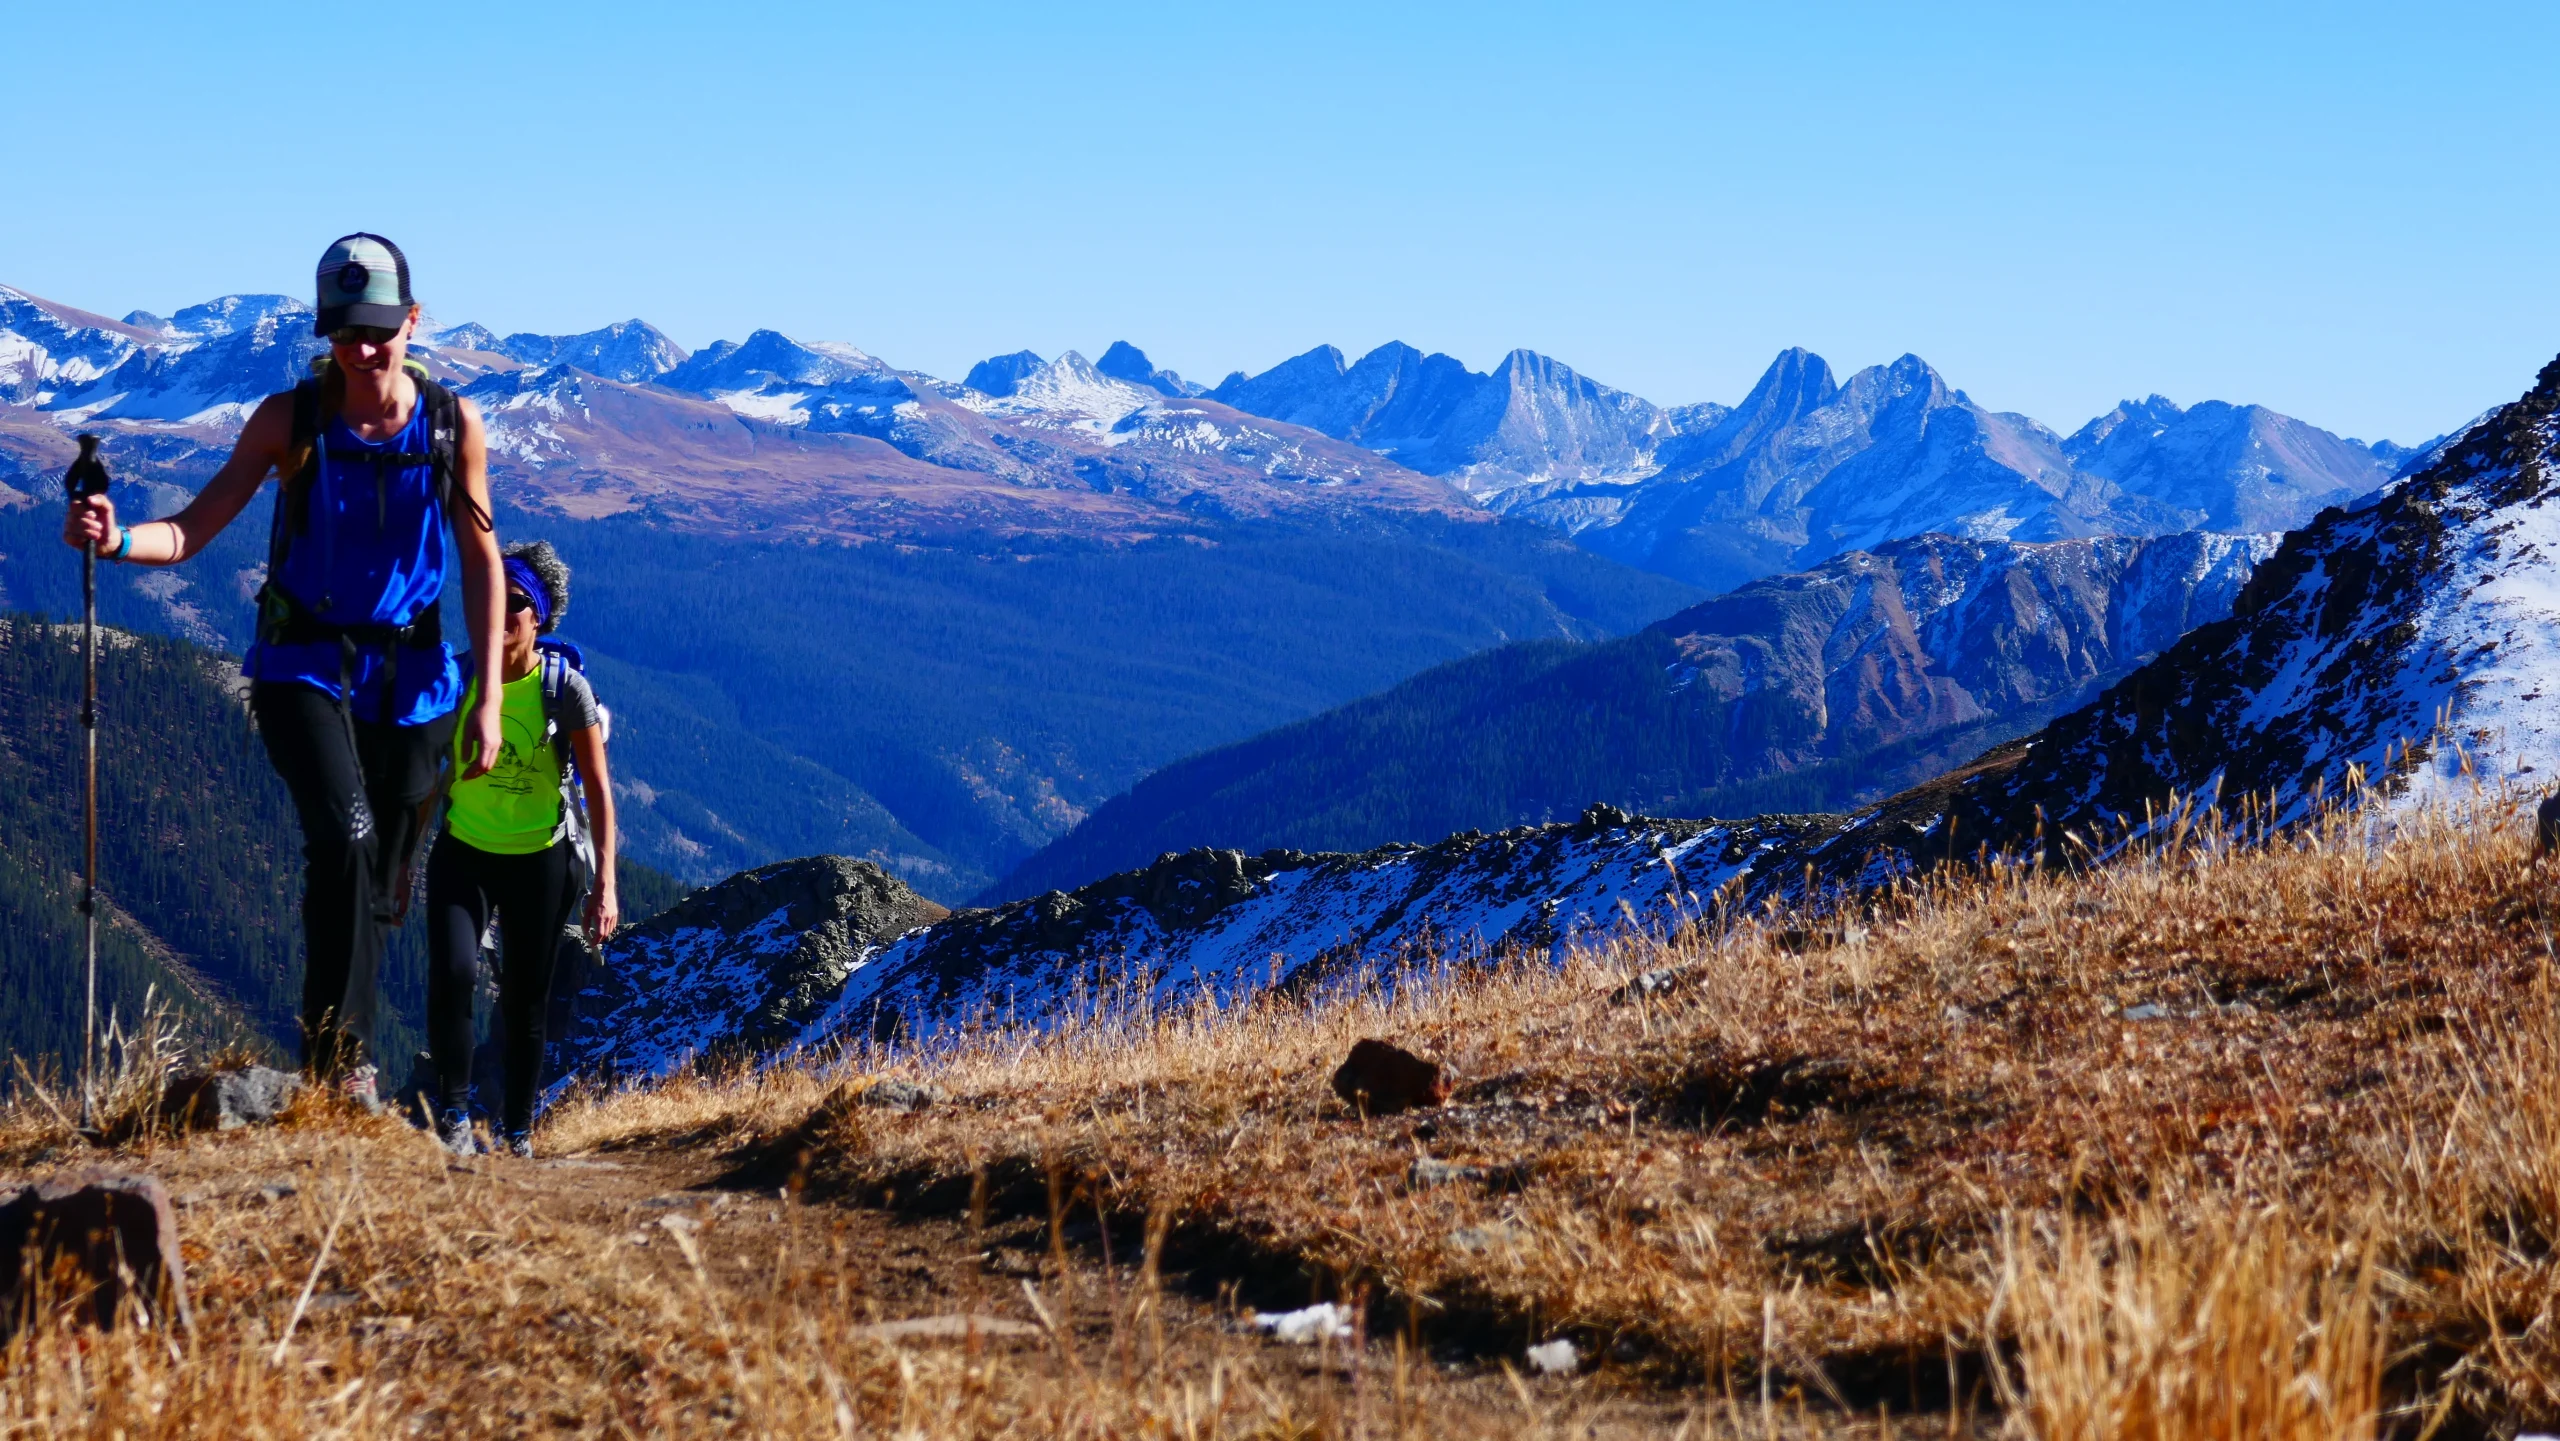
(292, 514)
(444, 452)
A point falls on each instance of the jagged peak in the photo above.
(1795, 382)
(1394, 353)
(998, 375)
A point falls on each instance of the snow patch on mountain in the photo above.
(1067, 394)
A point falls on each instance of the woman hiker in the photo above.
(523, 839)
(384, 490)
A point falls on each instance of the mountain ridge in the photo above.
(1829, 687)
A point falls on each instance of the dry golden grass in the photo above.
(1925, 1165)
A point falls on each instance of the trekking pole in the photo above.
(88, 477)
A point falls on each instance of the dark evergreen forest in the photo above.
(199, 856)
(1524, 734)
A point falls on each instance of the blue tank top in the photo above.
(375, 553)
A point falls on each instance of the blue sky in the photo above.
(2344, 211)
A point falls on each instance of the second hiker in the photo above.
(525, 840)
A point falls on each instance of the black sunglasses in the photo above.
(363, 334)
(517, 601)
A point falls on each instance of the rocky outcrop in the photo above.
(999, 374)
(741, 966)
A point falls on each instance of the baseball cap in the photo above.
(363, 280)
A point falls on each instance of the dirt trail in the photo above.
(614, 1293)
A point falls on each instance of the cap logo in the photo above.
(352, 276)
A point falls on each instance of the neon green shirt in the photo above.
(514, 810)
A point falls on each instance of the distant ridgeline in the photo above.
(1812, 692)
(199, 857)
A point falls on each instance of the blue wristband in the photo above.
(124, 547)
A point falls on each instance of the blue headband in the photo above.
(521, 573)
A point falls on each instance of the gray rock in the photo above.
(228, 1100)
(904, 1097)
(1427, 1171)
(1660, 981)
(1480, 1239)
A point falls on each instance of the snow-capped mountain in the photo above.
(1124, 361)
(1807, 467)
(1532, 420)
(999, 374)
(1065, 393)
(629, 351)
(205, 365)
(2229, 467)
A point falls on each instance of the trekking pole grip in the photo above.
(88, 474)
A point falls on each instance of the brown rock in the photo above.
(1379, 1079)
(91, 1243)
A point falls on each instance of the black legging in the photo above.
(358, 789)
(531, 896)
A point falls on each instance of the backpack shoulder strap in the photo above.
(444, 451)
(554, 673)
(293, 492)
(306, 414)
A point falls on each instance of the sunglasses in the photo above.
(363, 334)
(518, 601)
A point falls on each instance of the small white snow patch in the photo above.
(1322, 1321)
(1556, 1358)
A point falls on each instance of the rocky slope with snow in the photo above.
(743, 966)
(815, 952)
(2413, 641)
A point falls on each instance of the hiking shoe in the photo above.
(520, 1145)
(454, 1129)
(362, 1087)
